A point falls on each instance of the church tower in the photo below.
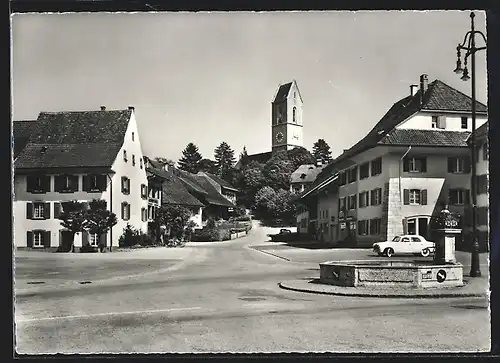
(286, 119)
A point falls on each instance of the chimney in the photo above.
(131, 108)
(412, 89)
(424, 83)
(103, 108)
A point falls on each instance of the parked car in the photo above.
(405, 244)
(283, 236)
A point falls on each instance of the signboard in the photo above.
(441, 276)
(427, 275)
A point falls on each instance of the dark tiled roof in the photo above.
(446, 98)
(220, 181)
(411, 137)
(174, 192)
(261, 157)
(75, 139)
(481, 133)
(213, 196)
(67, 156)
(283, 92)
(305, 174)
(84, 127)
(21, 131)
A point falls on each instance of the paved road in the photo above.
(229, 301)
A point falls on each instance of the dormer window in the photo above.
(125, 156)
(133, 136)
(133, 160)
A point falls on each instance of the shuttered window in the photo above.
(37, 184)
(37, 210)
(375, 226)
(415, 164)
(38, 239)
(376, 166)
(66, 183)
(482, 184)
(125, 211)
(125, 185)
(458, 196)
(459, 165)
(415, 196)
(94, 183)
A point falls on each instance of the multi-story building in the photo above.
(304, 176)
(78, 156)
(407, 168)
(482, 183)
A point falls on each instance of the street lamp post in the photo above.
(470, 50)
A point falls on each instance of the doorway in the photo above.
(65, 241)
(423, 227)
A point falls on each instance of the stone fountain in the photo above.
(441, 272)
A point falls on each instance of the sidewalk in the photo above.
(473, 287)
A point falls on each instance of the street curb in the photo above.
(344, 291)
(269, 253)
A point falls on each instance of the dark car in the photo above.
(283, 236)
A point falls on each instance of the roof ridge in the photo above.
(437, 81)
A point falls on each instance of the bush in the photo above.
(88, 248)
(133, 237)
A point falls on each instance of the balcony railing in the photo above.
(154, 201)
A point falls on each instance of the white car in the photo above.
(406, 244)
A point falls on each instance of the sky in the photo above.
(211, 77)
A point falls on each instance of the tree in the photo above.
(164, 161)
(300, 156)
(274, 204)
(248, 180)
(224, 161)
(73, 219)
(190, 159)
(99, 219)
(244, 157)
(208, 166)
(277, 171)
(321, 151)
(176, 218)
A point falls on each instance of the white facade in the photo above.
(52, 225)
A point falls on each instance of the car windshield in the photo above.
(396, 239)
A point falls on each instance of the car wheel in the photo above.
(389, 252)
(425, 252)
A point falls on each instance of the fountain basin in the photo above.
(391, 274)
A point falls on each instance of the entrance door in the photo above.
(412, 226)
(423, 228)
(65, 241)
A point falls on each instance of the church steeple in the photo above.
(286, 118)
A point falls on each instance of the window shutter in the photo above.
(405, 226)
(467, 196)
(58, 183)
(29, 184)
(406, 196)
(355, 202)
(451, 164)
(102, 182)
(29, 239)
(406, 165)
(423, 162)
(379, 196)
(57, 210)
(123, 184)
(423, 197)
(467, 164)
(46, 183)
(123, 211)
(46, 239)
(46, 211)
(451, 197)
(74, 180)
(29, 210)
(442, 122)
(103, 239)
(86, 183)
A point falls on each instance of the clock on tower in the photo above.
(287, 117)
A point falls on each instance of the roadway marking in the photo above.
(51, 318)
